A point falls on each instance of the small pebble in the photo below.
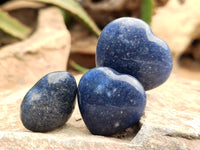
(77, 117)
(50, 102)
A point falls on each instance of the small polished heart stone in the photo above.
(129, 46)
(110, 102)
(50, 102)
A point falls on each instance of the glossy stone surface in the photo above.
(110, 102)
(49, 103)
(129, 46)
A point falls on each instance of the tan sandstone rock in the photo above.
(171, 121)
(178, 24)
(45, 51)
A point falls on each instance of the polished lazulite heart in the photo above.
(129, 46)
(109, 101)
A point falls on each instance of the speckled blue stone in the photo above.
(129, 46)
(110, 102)
(50, 102)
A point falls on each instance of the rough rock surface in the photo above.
(32, 58)
(171, 121)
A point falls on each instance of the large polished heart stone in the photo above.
(109, 101)
(129, 46)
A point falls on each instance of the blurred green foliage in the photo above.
(16, 29)
(147, 10)
(13, 27)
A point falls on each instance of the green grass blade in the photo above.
(147, 10)
(76, 10)
(78, 67)
(12, 26)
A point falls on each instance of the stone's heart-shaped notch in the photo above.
(129, 46)
(110, 102)
(50, 102)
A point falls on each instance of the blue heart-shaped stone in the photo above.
(129, 46)
(110, 102)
